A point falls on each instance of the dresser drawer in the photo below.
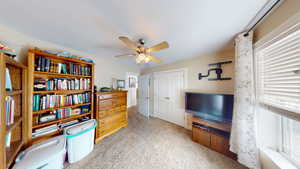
(104, 113)
(112, 119)
(120, 101)
(104, 130)
(105, 105)
(119, 94)
(105, 96)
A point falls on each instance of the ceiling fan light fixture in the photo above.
(147, 59)
(142, 53)
(141, 58)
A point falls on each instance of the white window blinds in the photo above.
(278, 75)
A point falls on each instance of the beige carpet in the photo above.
(153, 144)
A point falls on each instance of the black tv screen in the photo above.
(213, 107)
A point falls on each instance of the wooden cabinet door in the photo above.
(220, 144)
(201, 136)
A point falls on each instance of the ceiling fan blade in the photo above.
(154, 59)
(158, 47)
(124, 55)
(129, 43)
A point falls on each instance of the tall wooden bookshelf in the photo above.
(17, 129)
(33, 73)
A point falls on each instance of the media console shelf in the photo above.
(212, 135)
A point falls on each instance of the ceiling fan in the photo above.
(142, 53)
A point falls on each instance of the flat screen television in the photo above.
(211, 107)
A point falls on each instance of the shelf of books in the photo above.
(60, 92)
(13, 116)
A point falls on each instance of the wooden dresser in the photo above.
(110, 112)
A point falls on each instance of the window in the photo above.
(278, 87)
(278, 73)
(291, 140)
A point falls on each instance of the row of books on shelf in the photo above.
(42, 102)
(56, 127)
(41, 84)
(44, 64)
(61, 114)
(9, 110)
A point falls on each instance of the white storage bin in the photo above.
(80, 140)
(49, 154)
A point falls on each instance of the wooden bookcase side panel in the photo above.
(30, 93)
(18, 76)
(32, 73)
(2, 109)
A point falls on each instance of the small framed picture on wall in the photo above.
(120, 84)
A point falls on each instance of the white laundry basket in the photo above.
(49, 154)
(80, 140)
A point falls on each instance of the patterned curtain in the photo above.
(243, 136)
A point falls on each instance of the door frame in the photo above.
(139, 88)
(185, 85)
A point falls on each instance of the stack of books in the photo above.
(9, 110)
(42, 102)
(45, 130)
(77, 69)
(47, 65)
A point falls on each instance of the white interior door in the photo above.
(169, 96)
(144, 98)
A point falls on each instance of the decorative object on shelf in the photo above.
(65, 54)
(218, 71)
(9, 52)
(105, 89)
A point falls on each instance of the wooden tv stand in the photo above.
(212, 135)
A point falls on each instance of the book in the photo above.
(70, 123)
(9, 110)
(7, 140)
(54, 126)
(34, 134)
(8, 85)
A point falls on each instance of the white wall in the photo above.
(195, 66)
(106, 67)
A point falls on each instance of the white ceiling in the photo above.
(192, 27)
